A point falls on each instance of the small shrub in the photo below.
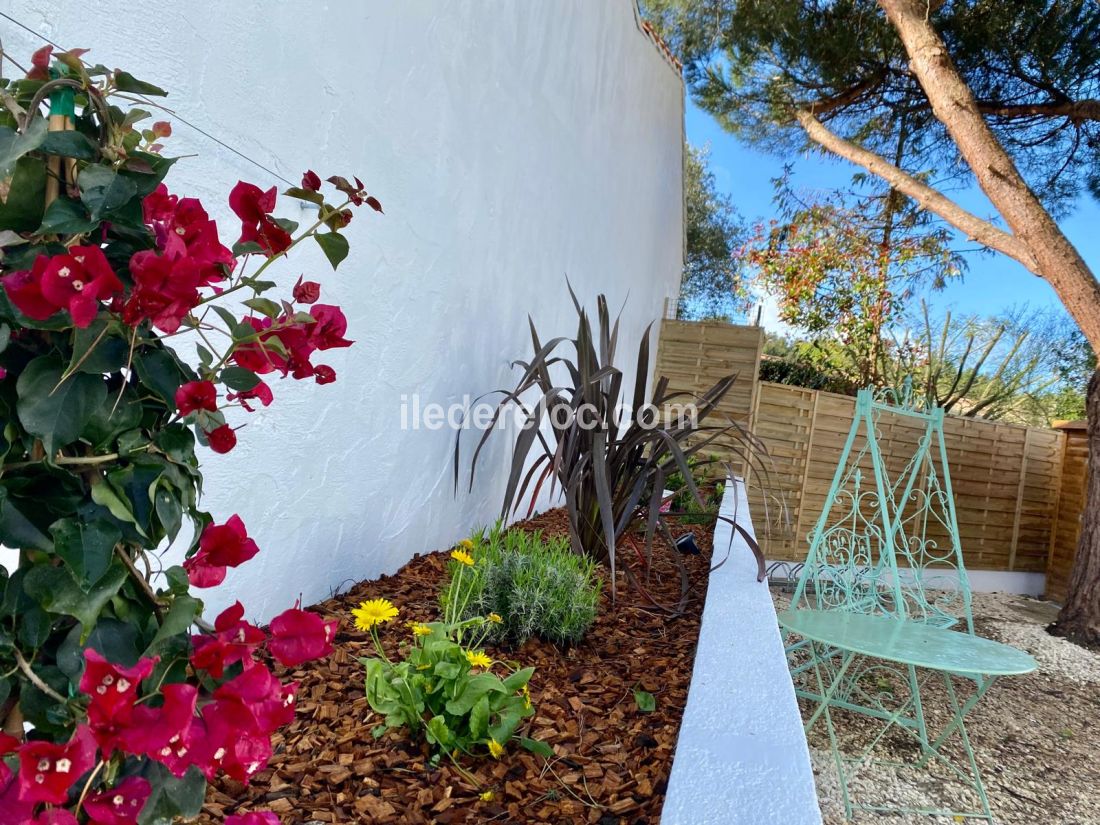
(708, 477)
(535, 584)
(445, 687)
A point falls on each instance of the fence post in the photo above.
(1056, 510)
(1019, 502)
(806, 470)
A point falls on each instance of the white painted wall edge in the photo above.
(741, 758)
(981, 581)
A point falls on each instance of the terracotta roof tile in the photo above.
(651, 33)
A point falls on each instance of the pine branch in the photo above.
(975, 228)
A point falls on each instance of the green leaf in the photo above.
(476, 687)
(16, 530)
(131, 441)
(438, 732)
(447, 670)
(57, 592)
(264, 306)
(305, 195)
(334, 245)
(172, 799)
(239, 379)
(228, 318)
(14, 145)
(160, 373)
(56, 414)
(71, 144)
(104, 190)
(101, 353)
(178, 620)
(34, 626)
(645, 701)
(87, 548)
(178, 443)
(166, 505)
(104, 496)
(118, 641)
(22, 211)
(509, 721)
(109, 420)
(126, 82)
(136, 484)
(178, 582)
(246, 248)
(517, 680)
(537, 747)
(146, 170)
(479, 718)
(66, 217)
(258, 286)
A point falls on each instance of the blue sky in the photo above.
(993, 282)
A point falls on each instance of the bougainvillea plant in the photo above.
(126, 355)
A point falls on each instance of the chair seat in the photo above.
(908, 642)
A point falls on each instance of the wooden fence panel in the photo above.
(1069, 509)
(1018, 490)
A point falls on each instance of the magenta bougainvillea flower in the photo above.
(75, 282)
(307, 292)
(196, 395)
(253, 818)
(299, 636)
(165, 732)
(113, 688)
(330, 327)
(121, 804)
(311, 181)
(222, 439)
(261, 392)
(233, 641)
(298, 343)
(47, 770)
(220, 546)
(166, 289)
(253, 206)
(56, 816)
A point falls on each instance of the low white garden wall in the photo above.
(742, 755)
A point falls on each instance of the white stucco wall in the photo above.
(511, 144)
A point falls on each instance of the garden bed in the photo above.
(611, 760)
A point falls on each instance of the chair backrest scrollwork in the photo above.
(887, 541)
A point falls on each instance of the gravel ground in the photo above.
(1036, 737)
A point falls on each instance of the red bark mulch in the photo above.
(611, 761)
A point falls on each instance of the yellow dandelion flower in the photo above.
(477, 658)
(526, 698)
(462, 557)
(420, 629)
(376, 611)
(467, 544)
(495, 748)
(495, 618)
(485, 796)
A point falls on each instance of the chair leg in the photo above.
(823, 708)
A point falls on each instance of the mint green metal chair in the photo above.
(882, 611)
